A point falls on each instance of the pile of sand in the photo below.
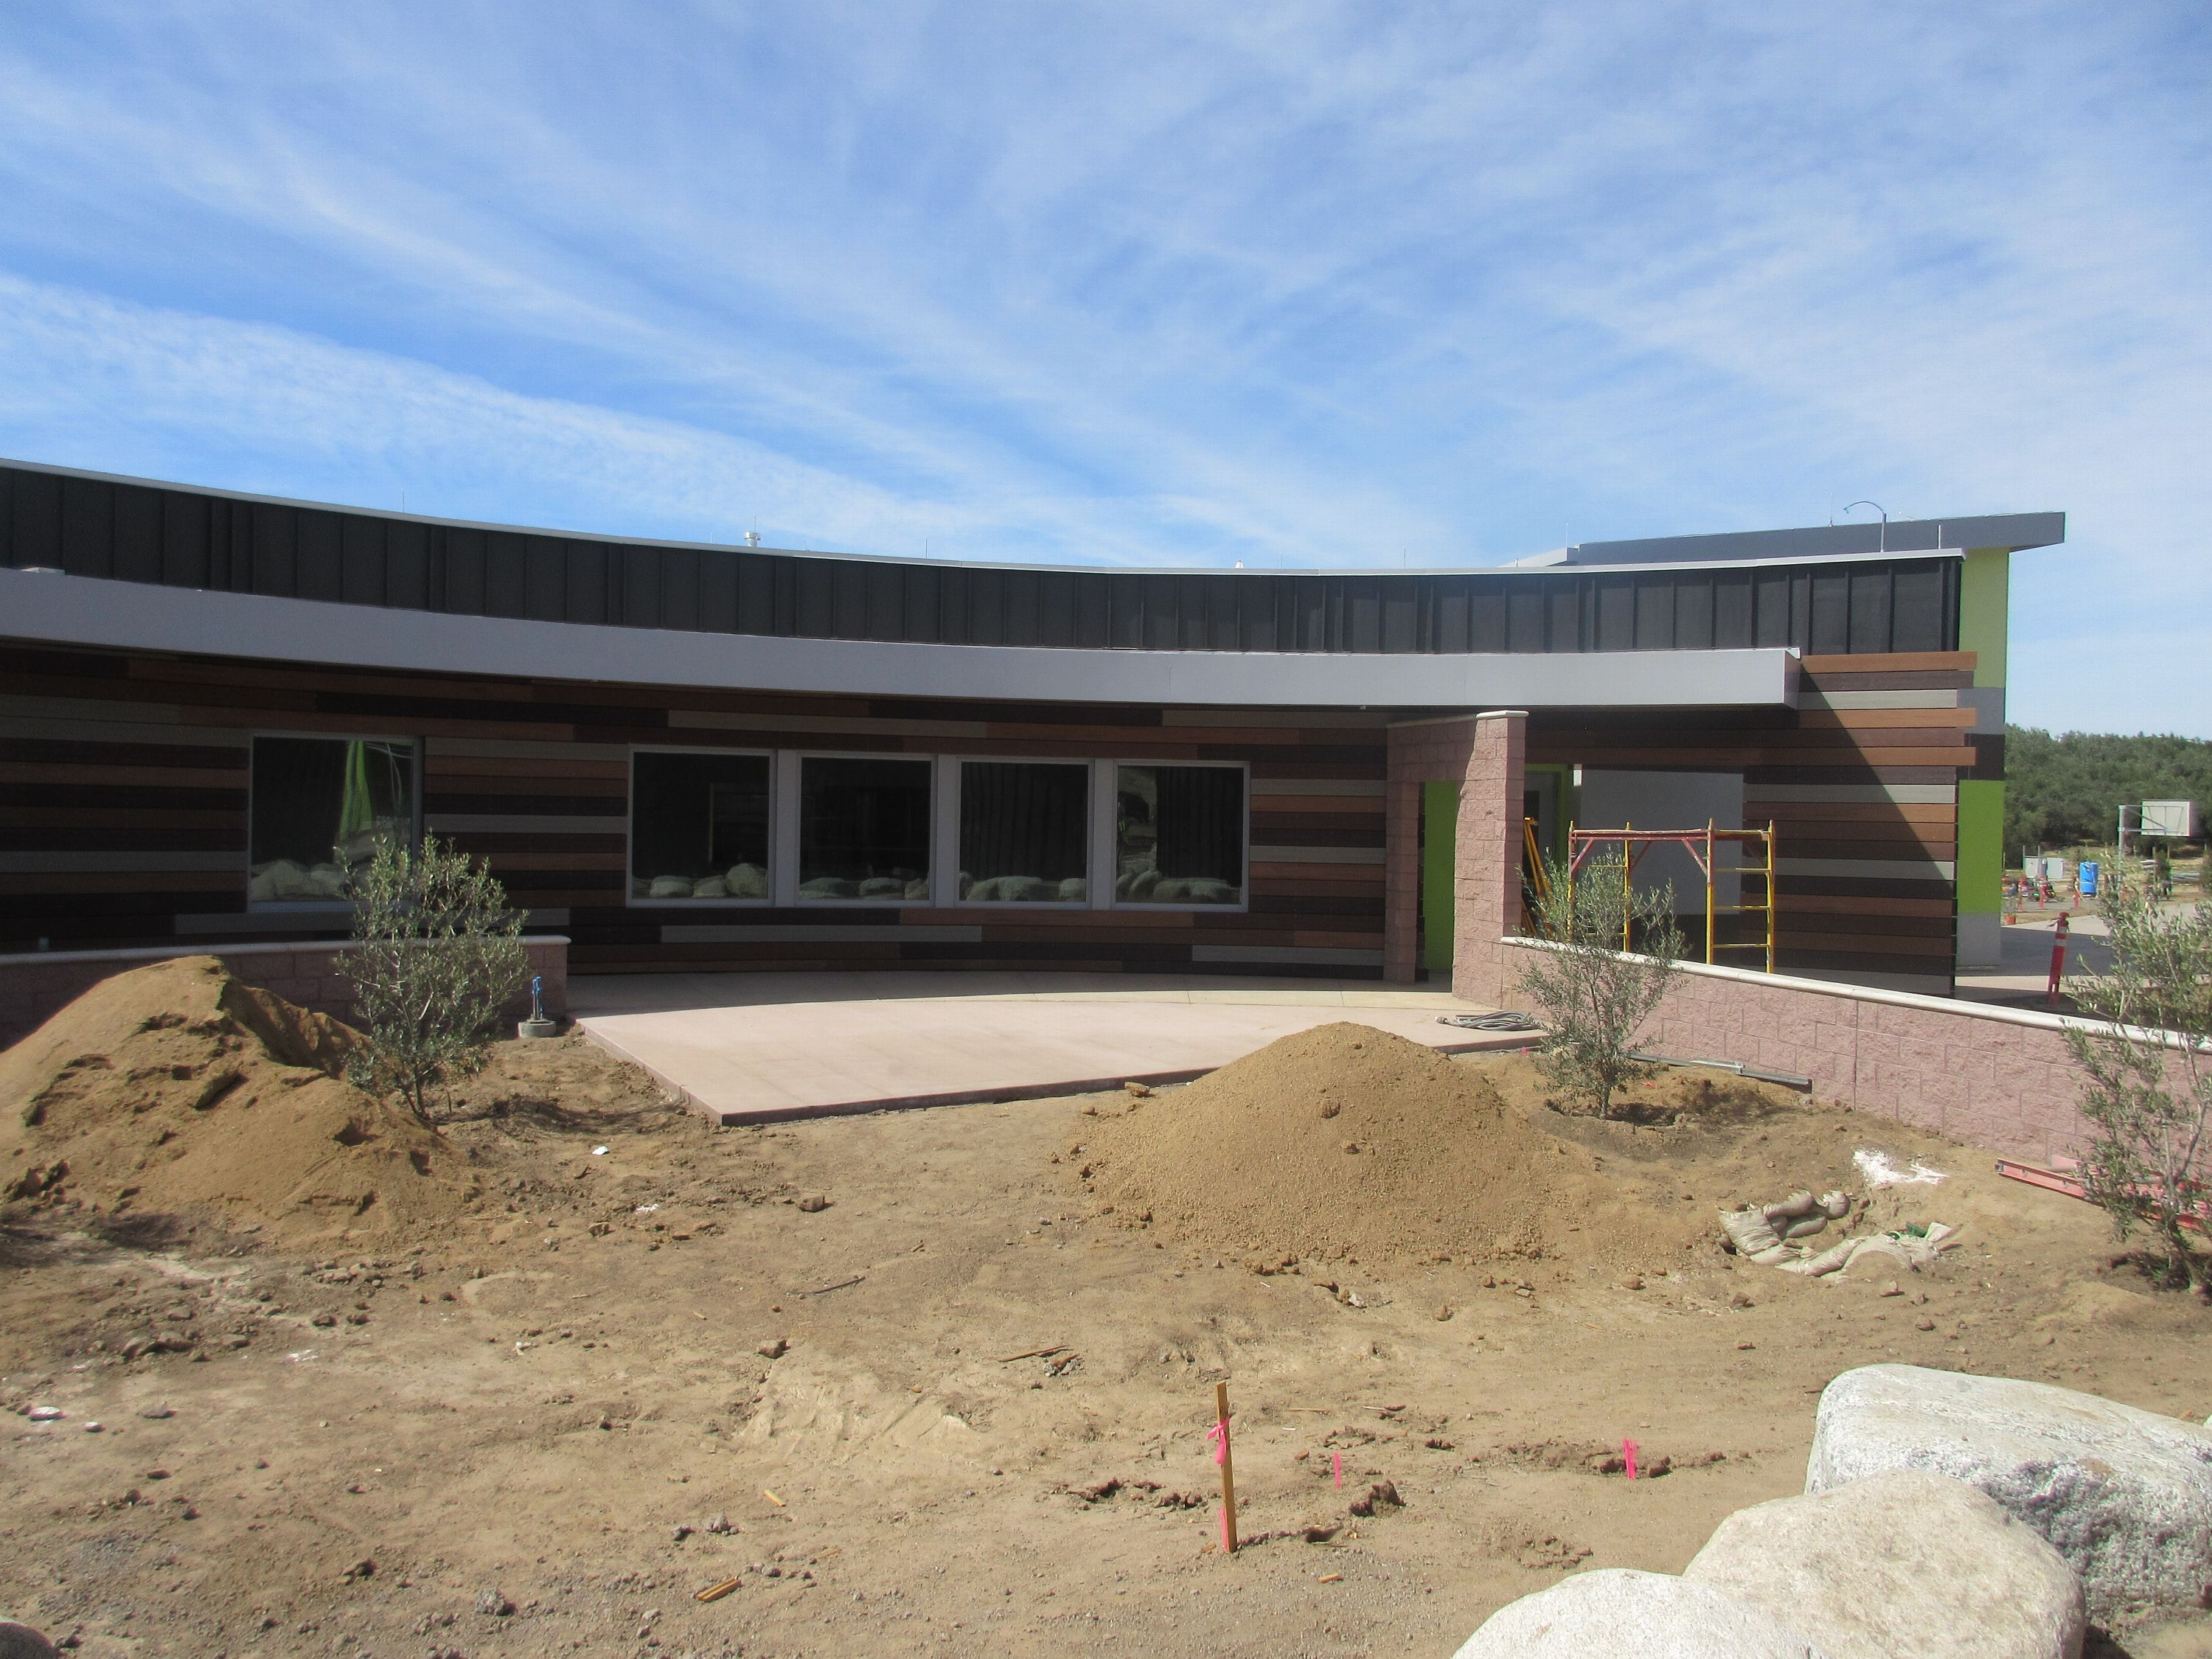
(1347, 1141)
(176, 1089)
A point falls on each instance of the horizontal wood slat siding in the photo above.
(124, 784)
(534, 778)
(1832, 769)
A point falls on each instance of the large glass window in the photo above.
(1024, 832)
(320, 807)
(1179, 834)
(698, 827)
(863, 829)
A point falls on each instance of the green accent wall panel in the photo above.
(1439, 873)
(1984, 596)
(1981, 846)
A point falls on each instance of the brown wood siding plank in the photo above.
(1356, 829)
(1832, 945)
(76, 818)
(1861, 904)
(1905, 851)
(50, 752)
(551, 784)
(1371, 771)
(1871, 720)
(1288, 877)
(49, 773)
(437, 765)
(108, 882)
(1850, 811)
(119, 837)
(1339, 805)
(1836, 680)
(1945, 831)
(1773, 765)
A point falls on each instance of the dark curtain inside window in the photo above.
(698, 815)
(1200, 818)
(861, 818)
(1019, 820)
(313, 794)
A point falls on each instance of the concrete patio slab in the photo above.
(746, 1048)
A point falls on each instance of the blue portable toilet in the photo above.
(2089, 869)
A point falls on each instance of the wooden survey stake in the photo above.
(1228, 1468)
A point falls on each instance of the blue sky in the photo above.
(1297, 285)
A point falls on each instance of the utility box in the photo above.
(2174, 818)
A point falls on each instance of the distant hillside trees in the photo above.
(2066, 791)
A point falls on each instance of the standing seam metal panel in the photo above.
(144, 533)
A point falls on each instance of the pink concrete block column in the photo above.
(1488, 873)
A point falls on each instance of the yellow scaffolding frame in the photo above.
(1704, 847)
(1535, 879)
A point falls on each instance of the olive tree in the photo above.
(1591, 994)
(436, 954)
(2147, 1092)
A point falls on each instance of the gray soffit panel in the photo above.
(55, 608)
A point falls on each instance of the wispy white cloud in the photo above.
(1314, 284)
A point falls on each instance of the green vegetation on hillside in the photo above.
(2066, 791)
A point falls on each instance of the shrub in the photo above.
(1592, 996)
(2148, 1097)
(436, 954)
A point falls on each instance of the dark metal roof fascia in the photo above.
(2013, 531)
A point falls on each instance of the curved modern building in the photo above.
(697, 757)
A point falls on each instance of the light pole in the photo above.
(1882, 540)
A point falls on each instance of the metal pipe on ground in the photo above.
(1788, 1081)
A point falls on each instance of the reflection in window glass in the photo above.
(698, 827)
(863, 829)
(320, 807)
(1179, 834)
(1024, 832)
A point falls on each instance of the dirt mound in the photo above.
(1349, 1141)
(176, 1089)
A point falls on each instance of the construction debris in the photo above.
(1880, 1170)
(1769, 1235)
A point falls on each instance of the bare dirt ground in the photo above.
(523, 1429)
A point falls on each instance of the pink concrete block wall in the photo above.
(1993, 1077)
(34, 989)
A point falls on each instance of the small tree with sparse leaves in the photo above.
(2149, 1093)
(1592, 996)
(436, 954)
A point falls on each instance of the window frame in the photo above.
(1089, 767)
(631, 899)
(932, 864)
(1113, 861)
(416, 744)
